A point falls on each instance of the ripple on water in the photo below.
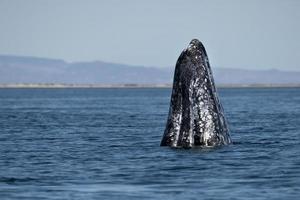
(104, 144)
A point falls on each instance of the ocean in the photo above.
(104, 144)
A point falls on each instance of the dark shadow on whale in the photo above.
(196, 117)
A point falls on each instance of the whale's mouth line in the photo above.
(196, 117)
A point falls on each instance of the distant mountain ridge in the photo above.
(21, 69)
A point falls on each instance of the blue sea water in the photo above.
(104, 144)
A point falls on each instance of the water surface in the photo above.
(104, 144)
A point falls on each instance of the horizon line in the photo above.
(134, 85)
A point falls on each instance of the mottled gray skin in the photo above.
(196, 116)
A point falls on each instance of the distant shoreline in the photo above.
(42, 85)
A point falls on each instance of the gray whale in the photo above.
(196, 116)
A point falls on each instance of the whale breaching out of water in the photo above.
(196, 116)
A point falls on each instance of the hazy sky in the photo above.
(254, 34)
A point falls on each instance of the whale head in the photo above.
(196, 116)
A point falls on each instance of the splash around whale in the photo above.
(196, 116)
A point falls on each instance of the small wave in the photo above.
(11, 180)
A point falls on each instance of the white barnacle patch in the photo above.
(201, 104)
(209, 130)
(177, 124)
(200, 92)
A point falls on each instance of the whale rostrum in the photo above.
(196, 116)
